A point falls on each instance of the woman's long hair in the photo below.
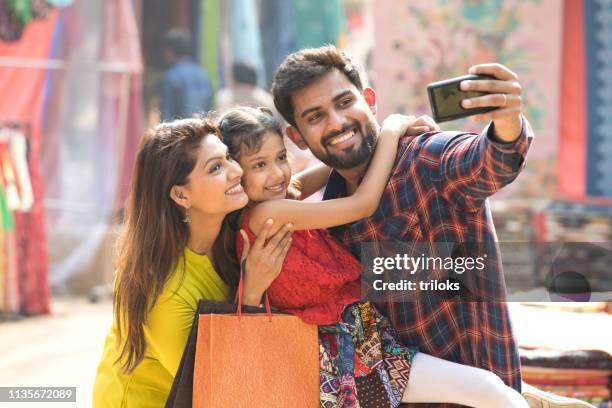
(243, 130)
(156, 236)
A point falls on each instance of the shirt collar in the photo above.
(336, 186)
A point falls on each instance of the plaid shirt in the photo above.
(438, 192)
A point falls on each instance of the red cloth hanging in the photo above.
(24, 90)
(571, 170)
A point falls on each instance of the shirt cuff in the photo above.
(507, 147)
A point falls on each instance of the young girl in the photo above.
(362, 362)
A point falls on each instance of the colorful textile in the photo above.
(318, 22)
(6, 216)
(362, 363)
(277, 28)
(598, 60)
(588, 359)
(209, 40)
(20, 10)
(245, 36)
(10, 29)
(438, 193)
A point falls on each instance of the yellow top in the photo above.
(166, 333)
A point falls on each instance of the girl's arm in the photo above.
(312, 179)
(330, 213)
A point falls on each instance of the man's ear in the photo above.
(296, 137)
(180, 196)
(370, 96)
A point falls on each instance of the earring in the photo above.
(187, 218)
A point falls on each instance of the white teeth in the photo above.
(234, 190)
(341, 138)
(276, 187)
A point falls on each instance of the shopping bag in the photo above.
(181, 393)
(255, 361)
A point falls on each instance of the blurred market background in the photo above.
(81, 81)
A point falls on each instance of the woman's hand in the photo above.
(263, 262)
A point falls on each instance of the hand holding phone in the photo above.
(445, 98)
(492, 92)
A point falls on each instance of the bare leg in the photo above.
(435, 380)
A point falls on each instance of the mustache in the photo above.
(344, 129)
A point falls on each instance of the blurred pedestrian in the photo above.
(185, 88)
(244, 90)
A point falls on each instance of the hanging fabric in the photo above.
(318, 22)
(18, 152)
(246, 40)
(10, 29)
(24, 268)
(60, 3)
(277, 34)
(20, 10)
(9, 180)
(209, 40)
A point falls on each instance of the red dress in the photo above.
(319, 276)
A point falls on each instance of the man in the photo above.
(185, 88)
(437, 191)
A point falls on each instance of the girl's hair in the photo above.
(243, 130)
(155, 235)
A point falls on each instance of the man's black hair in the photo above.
(244, 73)
(178, 41)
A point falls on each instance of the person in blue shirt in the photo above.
(185, 88)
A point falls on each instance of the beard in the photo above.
(354, 158)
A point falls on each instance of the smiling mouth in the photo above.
(276, 188)
(342, 137)
(237, 189)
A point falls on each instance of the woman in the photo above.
(183, 186)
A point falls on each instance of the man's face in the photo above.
(335, 121)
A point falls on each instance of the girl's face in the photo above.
(214, 184)
(266, 173)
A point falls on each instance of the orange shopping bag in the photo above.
(256, 361)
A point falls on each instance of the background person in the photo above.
(185, 88)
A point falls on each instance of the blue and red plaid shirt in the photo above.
(438, 192)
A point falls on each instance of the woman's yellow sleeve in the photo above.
(167, 329)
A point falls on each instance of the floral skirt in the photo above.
(363, 364)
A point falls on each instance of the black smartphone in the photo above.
(445, 98)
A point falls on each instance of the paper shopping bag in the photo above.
(257, 361)
(181, 393)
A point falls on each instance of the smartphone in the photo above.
(445, 98)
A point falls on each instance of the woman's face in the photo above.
(213, 186)
(267, 172)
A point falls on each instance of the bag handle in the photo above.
(239, 306)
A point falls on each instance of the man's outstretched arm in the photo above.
(473, 167)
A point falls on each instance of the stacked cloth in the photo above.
(583, 374)
(565, 349)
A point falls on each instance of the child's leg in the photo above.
(435, 380)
